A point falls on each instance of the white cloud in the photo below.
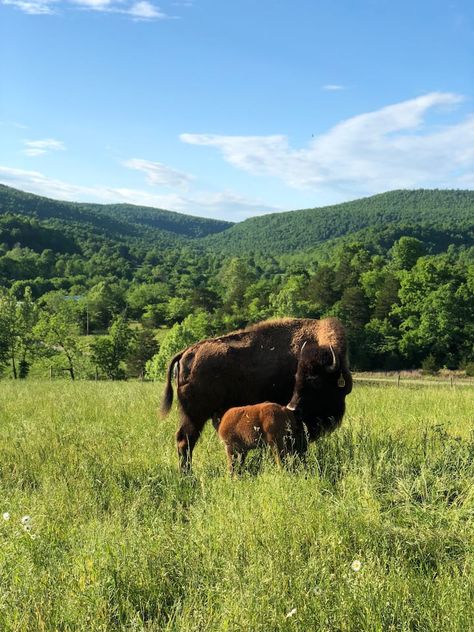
(40, 147)
(32, 7)
(97, 5)
(222, 205)
(145, 11)
(13, 124)
(158, 173)
(136, 9)
(333, 87)
(390, 148)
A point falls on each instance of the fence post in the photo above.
(50, 372)
(398, 380)
(451, 379)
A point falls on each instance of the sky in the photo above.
(230, 109)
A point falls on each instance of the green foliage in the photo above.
(193, 328)
(405, 212)
(17, 340)
(397, 268)
(437, 312)
(143, 347)
(406, 252)
(291, 299)
(58, 328)
(469, 368)
(108, 352)
(430, 365)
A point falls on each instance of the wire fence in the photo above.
(399, 380)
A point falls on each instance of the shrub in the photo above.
(469, 368)
(430, 365)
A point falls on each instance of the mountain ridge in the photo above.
(439, 215)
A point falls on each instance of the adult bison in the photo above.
(286, 429)
(250, 366)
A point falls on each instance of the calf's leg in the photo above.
(235, 459)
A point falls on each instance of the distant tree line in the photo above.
(84, 287)
(401, 309)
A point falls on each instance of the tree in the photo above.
(139, 296)
(104, 301)
(381, 340)
(290, 300)
(108, 352)
(436, 312)
(235, 277)
(406, 252)
(387, 297)
(6, 328)
(193, 328)
(354, 308)
(142, 348)
(322, 290)
(59, 328)
(17, 341)
(27, 317)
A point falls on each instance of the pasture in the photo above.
(375, 532)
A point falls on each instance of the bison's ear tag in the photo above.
(341, 382)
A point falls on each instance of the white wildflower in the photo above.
(356, 565)
(291, 613)
(6, 515)
(25, 520)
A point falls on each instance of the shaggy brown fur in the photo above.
(287, 429)
(246, 367)
(247, 427)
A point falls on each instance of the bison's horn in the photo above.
(303, 345)
(335, 364)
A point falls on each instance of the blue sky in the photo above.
(232, 109)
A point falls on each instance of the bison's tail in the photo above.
(168, 394)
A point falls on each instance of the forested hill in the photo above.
(443, 216)
(396, 268)
(436, 217)
(113, 220)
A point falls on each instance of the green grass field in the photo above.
(118, 540)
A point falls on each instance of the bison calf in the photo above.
(288, 429)
(246, 427)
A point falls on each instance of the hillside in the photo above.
(396, 268)
(111, 221)
(433, 215)
(436, 217)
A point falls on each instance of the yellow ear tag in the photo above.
(341, 382)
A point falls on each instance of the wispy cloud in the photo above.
(136, 9)
(333, 87)
(224, 204)
(159, 174)
(44, 146)
(13, 124)
(394, 147)
(145, 11)
(32, 7)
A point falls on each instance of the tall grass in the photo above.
(118, 540)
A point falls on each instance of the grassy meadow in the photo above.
(118, 540)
